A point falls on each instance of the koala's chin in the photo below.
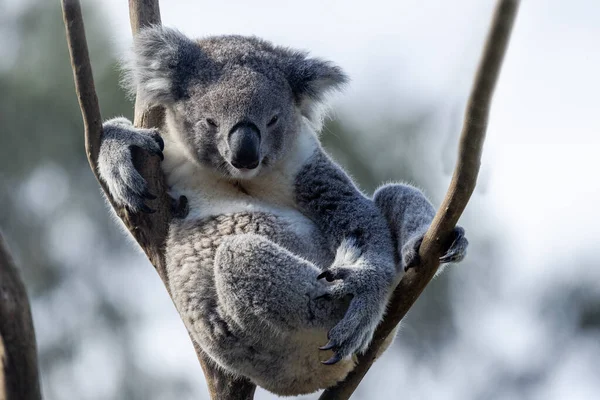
(243, 173)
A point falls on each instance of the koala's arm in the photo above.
(364, 267)
(115, 163)
(326, 194)
(409, 214)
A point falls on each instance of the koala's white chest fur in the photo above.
(271, 191)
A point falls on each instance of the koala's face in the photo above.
(238, 101)
(240, 124)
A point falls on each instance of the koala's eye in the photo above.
(273, 121)
(211, 122)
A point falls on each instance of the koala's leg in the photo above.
(409, 214)
(261, 285)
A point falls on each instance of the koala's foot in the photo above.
(368, 298)
(115, 164)
(455, 253)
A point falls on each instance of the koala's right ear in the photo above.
(161, 65)
(311, 79)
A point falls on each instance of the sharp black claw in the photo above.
(145, 209)
(161, 142)
(330, 345)
(328, 275)
(333, 360)
(161, 155)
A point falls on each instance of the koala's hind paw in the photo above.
(458, 248)
(115, 164)
(455, 253)
(355, 331)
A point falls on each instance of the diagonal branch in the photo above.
(461, 187)
(150, 231)
(19, 377)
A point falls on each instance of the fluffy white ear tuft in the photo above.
(312, 79)
(160, 64)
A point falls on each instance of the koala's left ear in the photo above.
(161, 65)
(311, 79)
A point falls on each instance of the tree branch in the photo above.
(149, 230)
(461, 187)
(19, 377)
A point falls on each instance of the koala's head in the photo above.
(238, 101)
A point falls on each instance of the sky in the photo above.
(540, 164)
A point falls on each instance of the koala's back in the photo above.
(291, 362)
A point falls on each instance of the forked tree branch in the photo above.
(19, 376)
(149, 230)
(461, 187)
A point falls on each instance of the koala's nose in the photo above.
(244, 143)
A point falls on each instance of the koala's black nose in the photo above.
(244, 143)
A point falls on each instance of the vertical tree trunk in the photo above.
(19, 378)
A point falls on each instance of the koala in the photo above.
(281, 268)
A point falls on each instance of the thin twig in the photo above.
(460, 190)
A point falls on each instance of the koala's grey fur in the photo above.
(246, 264)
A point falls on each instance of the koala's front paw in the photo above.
(115, 164)
(455, 253)
(368, 293)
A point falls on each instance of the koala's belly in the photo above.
(285, 365)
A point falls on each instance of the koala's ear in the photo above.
(161, 64)
(311, 79)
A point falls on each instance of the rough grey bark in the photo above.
(19, 377)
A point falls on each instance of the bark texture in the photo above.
(19, 377)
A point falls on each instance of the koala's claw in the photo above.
(458, 248)
(330, 345)
(325, 274)
(333, 360)
(160, 145)
(455, 253)
(159, 140)
(354, 332)
(334, 274)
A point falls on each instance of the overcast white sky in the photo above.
(541, 159)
